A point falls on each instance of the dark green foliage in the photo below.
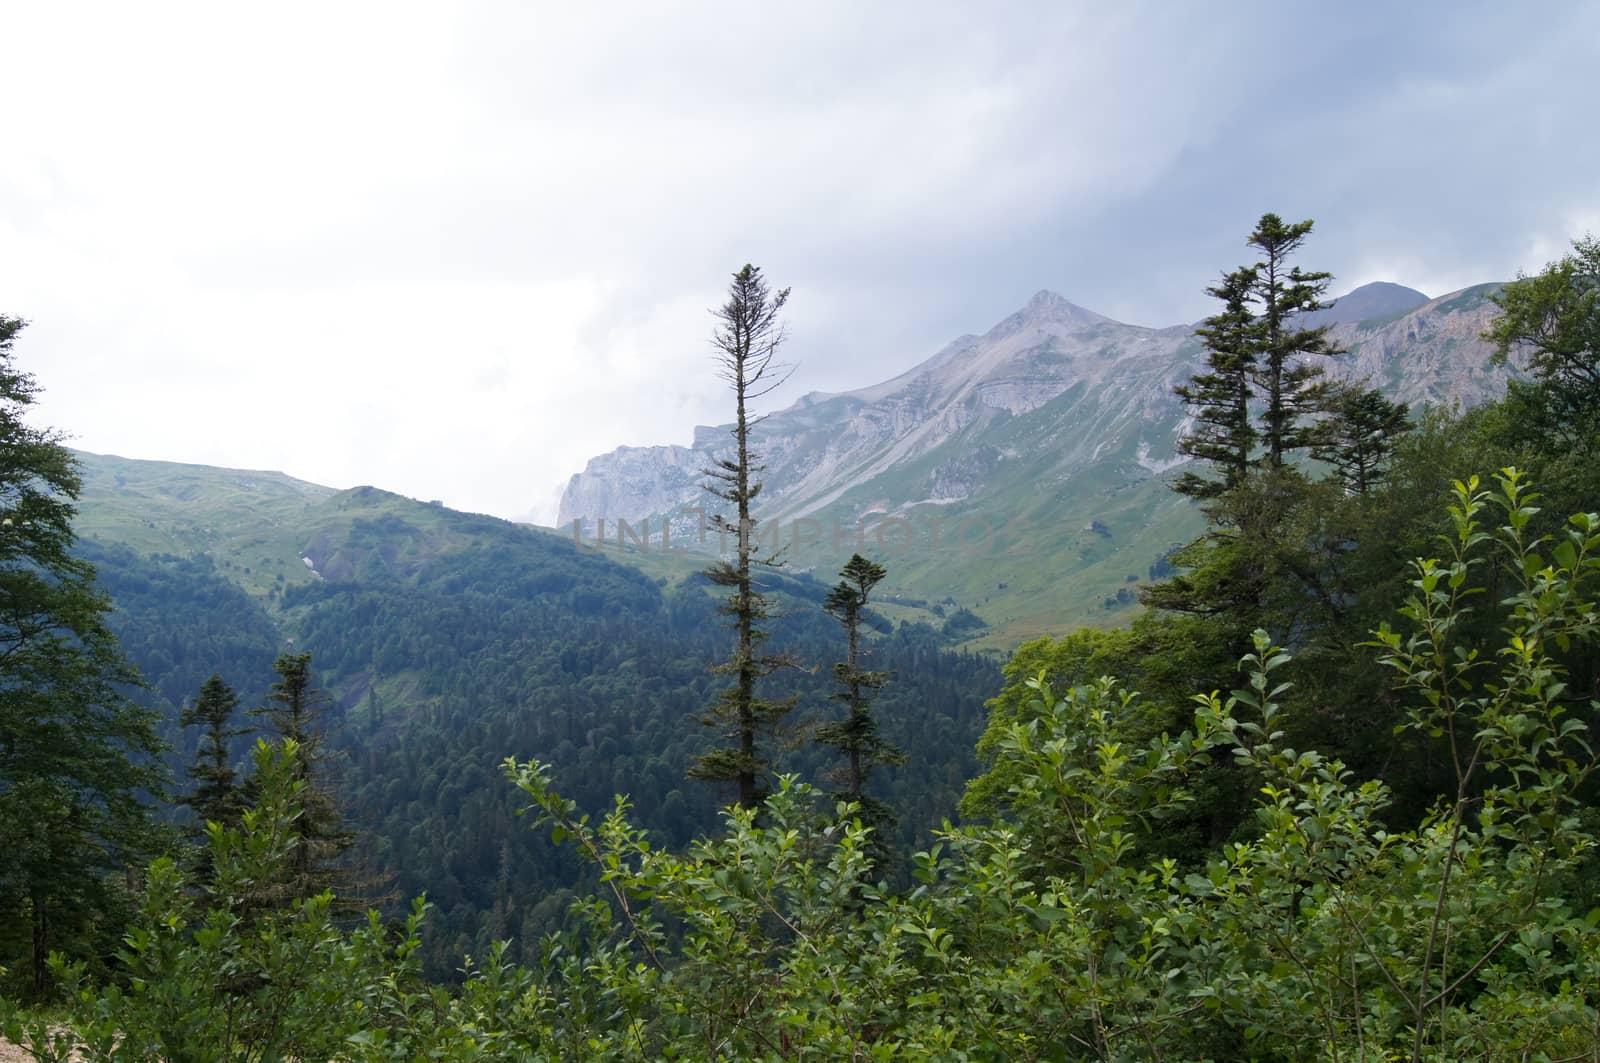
(1166, 656)
(604, 700)
(519, 642)
(1291, 385)
(1319, 564)
(856, 736)
(1259, 355)
(207, 983)
(1274, 553)
(181, 621)
(1224, 434)
(1257, 352)
(746, 340)
(295, 709)
(1060, 932)
(76, 756)
(1308, 561)
(1358, 436)
(960, 625)
(1554, 318)
(217, 796)
(1228, 572)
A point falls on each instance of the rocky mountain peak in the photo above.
(1048, 308)
(1075, 392)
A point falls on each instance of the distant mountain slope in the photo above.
(237, 516)
(1044, 445)
(449, 641)
(268, 532)
(1370, 302)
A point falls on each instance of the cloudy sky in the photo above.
(456, 250)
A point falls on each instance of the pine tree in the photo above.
(295, 708)
(746, 341)
(217, 797)
(856, 736)
(76, 756)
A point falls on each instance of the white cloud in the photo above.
(454, 250)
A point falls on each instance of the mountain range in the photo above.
(1021, 473)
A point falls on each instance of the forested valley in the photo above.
(520, 645)
(1331, 795)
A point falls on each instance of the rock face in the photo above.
(1051, 376)
(633, 482)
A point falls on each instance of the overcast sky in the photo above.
(455, 251)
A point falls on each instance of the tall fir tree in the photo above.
(295, 708)
(217, 796)
(746, 341)
(1287, 370)
(1264, 393)
(856, 736)
(77, 757)
(1262, 398)
(1219, 399)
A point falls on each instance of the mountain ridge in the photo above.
(1044, 311)
(1055, 413)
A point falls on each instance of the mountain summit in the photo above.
(1055, 429)
(1047, 306)
(1370, 302)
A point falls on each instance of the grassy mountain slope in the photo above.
(449, 641)
(245, 521)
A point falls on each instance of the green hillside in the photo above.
(247, 522)
(1042, 545)
(449, 641)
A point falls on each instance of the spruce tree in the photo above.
(294, 709)
(1263, 397)
(1219, 400)
(1264, 387)
(1359, 435)
(77, 758)
(217, 797)
(746, 341)
(1291, 382)
(856, 736)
